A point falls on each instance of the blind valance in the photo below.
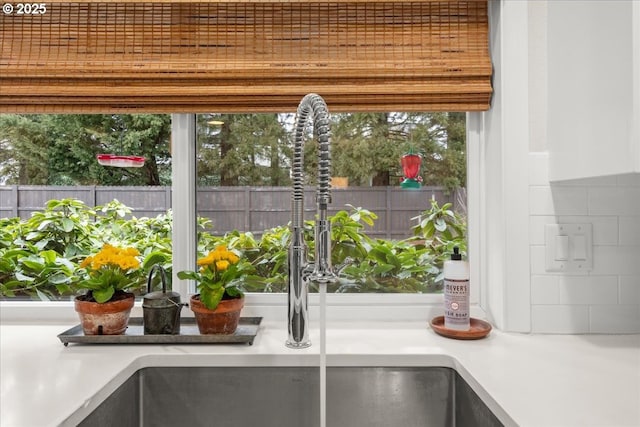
(245, 56)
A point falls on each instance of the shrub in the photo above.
(440, 229)
(40, 257)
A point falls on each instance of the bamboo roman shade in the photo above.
(245, 56)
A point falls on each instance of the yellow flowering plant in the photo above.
(219, 275)
(111, 270)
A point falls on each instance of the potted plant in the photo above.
(105, 307)
(220, 299)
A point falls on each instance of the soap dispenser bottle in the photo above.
(456, 292)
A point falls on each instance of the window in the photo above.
(379, 245)
(72, 77)
(243, 196)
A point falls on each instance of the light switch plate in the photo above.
(578, 257)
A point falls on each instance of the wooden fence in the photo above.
(243, 208)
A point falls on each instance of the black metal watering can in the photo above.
(161, 309)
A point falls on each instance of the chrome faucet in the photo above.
(301, 272)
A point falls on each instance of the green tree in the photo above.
(233, 149)
(61, 149)
(367, 147)
(441, 139)
(243, 149)
(24, 147)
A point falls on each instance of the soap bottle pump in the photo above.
(456, 292)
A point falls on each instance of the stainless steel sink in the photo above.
(289, 397)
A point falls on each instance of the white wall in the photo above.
(528, 298)
(606, 299)
(503, 188)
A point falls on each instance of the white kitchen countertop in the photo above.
(527, 380)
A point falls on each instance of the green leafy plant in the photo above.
(150, 236)
(391, 267)
(440, 229)
(267, 255)
(43, 276)
(65, 226)
(40, 257)
(9, 229)
(73, 231)
(220, 276)
(347, 234)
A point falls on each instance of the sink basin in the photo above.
(289, 397)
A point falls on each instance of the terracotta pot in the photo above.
(223, 320)
(109, 318)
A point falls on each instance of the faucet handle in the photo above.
(324, 276)
(344, 264)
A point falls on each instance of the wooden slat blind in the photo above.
(246, 56)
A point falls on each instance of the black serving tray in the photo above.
(189, 334)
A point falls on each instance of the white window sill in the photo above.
(342, 307)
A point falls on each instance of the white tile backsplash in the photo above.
(591, 290)
(629, 231)
(544, 290)
(621, 200)
(614, 319)
(537, 255)
(558, 200)
(560, 319)
(629, 290)
(629, 179)
(607, 298)
(536, 227)
(619, 260)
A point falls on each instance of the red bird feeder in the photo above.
(411, 168)
(117, 161)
